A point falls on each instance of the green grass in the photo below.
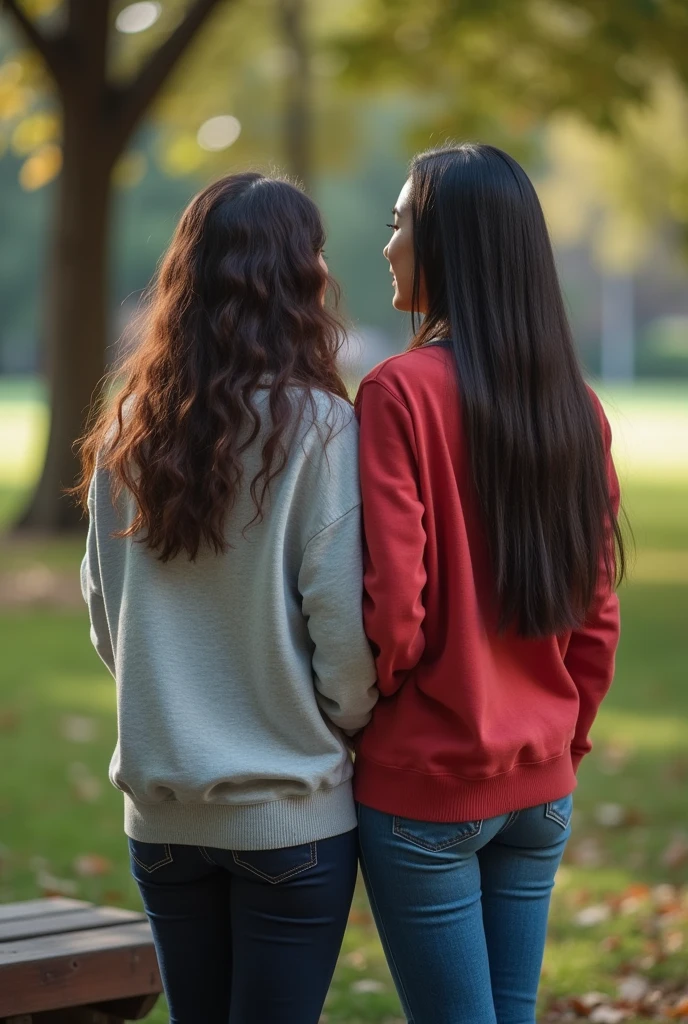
(640, 763)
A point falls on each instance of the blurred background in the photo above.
(112, 115)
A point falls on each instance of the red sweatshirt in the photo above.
(471, 724)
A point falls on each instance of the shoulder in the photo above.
(410, 373)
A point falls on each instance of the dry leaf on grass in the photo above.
(48, 883)
(680, 1010)
(9, 720)
(367, 985)
(633, 989)
(85, 785)
(78, 728)
(676, 853)
(588, 917)
(92, 865)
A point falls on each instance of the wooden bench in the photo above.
(63, 961)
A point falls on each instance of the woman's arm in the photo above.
(591, 652)
(394, 547)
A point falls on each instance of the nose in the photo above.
(385, 251)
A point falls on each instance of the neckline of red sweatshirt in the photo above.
(470, 724)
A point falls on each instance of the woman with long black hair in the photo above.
(223, 576)
(492, 553)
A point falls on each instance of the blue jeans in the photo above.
(462, 909)
(247, 937)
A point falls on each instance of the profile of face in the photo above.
(399, 253)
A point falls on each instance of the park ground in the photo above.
(619, 923)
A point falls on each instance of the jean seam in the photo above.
(434, 848)
(555, 816)
(206, 856)
(167, 859)
(381, 927)
(275, 879)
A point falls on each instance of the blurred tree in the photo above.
(503, 65)
(99, 114)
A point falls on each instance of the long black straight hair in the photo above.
(535, 433)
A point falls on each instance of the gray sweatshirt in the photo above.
(236, 674)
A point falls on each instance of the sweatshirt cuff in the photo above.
(576, 758)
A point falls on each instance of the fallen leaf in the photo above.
(92, 865)
(357, 959)
(587, 1002)
(633, 989)
(588, 917)
(78, 728)
(587, 853)
(85, 785)
(613, 758)
(679, 1010)
(664, 895)
(49, 884)
(111, 896)
(676, 853)
(610, 943)
(610, 815)
(366, 985)
(672, 943)
(9, 720)
(357, 916)
(607, 1015)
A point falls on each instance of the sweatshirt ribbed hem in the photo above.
(266, 826)
(425, 797)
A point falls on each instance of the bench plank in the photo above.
(67, 921)
(35, 908)
(96, 966)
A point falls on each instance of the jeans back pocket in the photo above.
(275, 866)
(150, 856)
(560, 810)
(435, 835)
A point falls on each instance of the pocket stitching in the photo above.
(275, 879)
(554, 815)
(167, 859)
(206, 856)
(398, 830)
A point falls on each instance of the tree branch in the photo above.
(135, 99)
(49, 49)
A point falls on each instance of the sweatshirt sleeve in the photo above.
(592, 648)
(91, 589)
(330, 582)
(395, 539)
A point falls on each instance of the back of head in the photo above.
(484, 263)
(237, 306)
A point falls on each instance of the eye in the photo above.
(394, 227)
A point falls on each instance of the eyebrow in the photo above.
(395, 212)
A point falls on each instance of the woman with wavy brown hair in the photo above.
(223, 578)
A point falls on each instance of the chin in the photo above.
(402, 304)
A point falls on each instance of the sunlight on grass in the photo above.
(646, 732)
(96, 693)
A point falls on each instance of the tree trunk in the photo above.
(298, 84)
(75, 318)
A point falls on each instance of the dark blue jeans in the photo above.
(247, 937)
(462, 909)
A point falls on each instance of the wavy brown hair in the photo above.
(237, 306)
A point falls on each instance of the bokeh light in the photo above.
(138, 17)
(218, 132)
